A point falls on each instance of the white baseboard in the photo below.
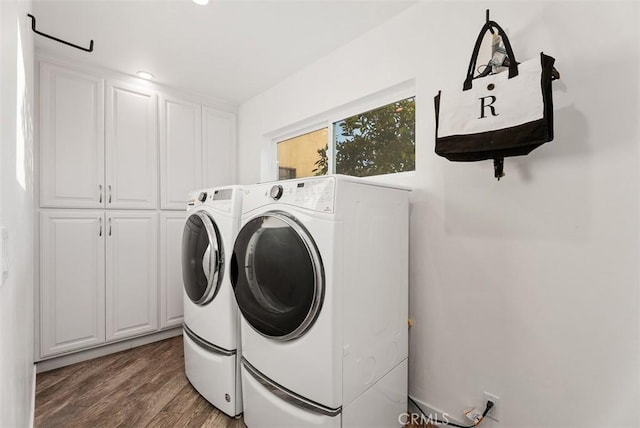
(32, 415)
(433, 412)
(89, 354)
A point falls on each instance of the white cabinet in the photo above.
(218, 147)
(77, 168)
(131, 151)
(72, 279)
(171, 286)
(114, 153)
(98, 277)
(180, 151)
(71, 138)
(132, 273)
(197, 149)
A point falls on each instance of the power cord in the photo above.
(488, 407)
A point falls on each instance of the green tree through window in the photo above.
(379, 141)
(322, 164)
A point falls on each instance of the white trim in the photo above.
(32, 411)
(89, 354)
(380, 98)
(298, 131)
(331, 150)
(392, 177)
(400, 91)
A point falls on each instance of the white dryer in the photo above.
(320, 274)
(211, 317)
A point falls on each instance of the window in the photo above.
(379, 141)
(301, 156)
(375, 142)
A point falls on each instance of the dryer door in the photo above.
(277, 276)
(202, 258)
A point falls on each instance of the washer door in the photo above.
(202, 258)
(277, 276)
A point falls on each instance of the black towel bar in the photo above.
(33, 27)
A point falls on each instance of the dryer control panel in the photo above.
(317, 194)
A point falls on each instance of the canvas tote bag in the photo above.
(499, 115)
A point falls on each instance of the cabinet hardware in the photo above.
(109, 193)
(100, 232)
(100, 193)
(109, 226)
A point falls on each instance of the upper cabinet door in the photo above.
(180, 151)
(218, 147)
(71, 138)
(132, 147)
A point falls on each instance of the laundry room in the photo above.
(240, 214)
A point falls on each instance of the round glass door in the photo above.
(202, 258)
(277, 276)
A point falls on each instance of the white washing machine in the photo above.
(211, 317)
(320, 274)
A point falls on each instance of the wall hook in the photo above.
(555, 74)
(488, 19)
(33, 27)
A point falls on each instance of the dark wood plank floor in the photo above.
(141, 387)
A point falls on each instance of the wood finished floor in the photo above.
(141, 387)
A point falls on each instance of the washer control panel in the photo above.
(220, 199)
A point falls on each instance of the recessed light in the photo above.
(201, 2)
(145, 75)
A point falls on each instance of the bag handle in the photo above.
(513, 64)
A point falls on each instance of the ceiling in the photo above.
(229, 50)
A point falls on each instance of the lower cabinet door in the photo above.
(171, 307)
(132, 273)
(72, 272)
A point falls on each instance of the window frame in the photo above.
(327, 119)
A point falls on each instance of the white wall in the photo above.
(16, 214)
(527, 287)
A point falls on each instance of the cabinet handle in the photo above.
(109, 193)
(109, 226)
(100, 192)
(100, 232)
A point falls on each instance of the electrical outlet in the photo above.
(495, 411)
(474, 415)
